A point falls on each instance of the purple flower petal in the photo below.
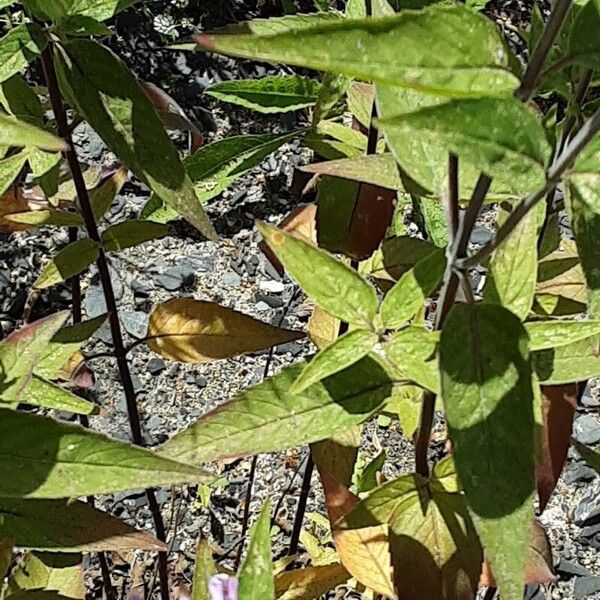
(223, 587)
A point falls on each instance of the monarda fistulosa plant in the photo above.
(424, 109)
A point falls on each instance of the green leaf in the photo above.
(256, 573)
(411, 353)
(216, 166)
(21, 350)
(513, 268)
(578, 361)
(99, 9)
(390, 50)
(62, 526)
(9, 170)
(52, 11)
(40, 392)
(47, 218)
(331, 92)
(585, 221)
(102, 197)
(204, 569)
(18, 133)
(131, 233)
(20, 100)
(19, 47)
(406, 402)
(360, 99)
(481, 132)
(309, 582)
(84, 26)
(266, 417)
(345, 351)
(109, 97)
(273, 94)
(41, 571)
(435, 550)
(43, 458)
(488, 399)
(335, 287)
(69, 261)
(63, 344)
(407, 296)
(583, 43)
(431, 218)
(545, 335)
(367, 480)
(42, 162)
(377, 169)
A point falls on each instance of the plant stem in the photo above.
(540, 53)
(295, 538)
(556, 171)
(85, 208)
(458, 247)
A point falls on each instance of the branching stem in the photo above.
(85, 209)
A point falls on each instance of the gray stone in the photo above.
(585, 587)
(271, 301)
(579, 473)
(589, 400)
(587, 429)
(587, 512)
(135, 322)
(570, 569)
(481, 235)
(156, 365)
(262, 306)
(141, 289)
(177, 277)
(271, 287)
(231, 279)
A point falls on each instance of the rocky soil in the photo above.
(234, 273)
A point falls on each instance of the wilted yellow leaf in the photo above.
(323, 329)
(195, 331)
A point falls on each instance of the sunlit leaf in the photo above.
(301, 222)
(343, 352)
(10, 168)
(195, 331)
(338, 454)
(63, 344)
(323, 329)
(272, 94)
(59, 573)
(109, 97)
(435, 550)
(266, 417)
(61, 526)
(102, 197)
(310, 582)
(18, 133)
(486, 138)
(40, 392)
(332, 90)
(43, 458)
(131, 233)
(69, 261)
(204, 569)
(364, 551)
(407, 296)
(406, 402)
(390, 50)
(99, 9)
(256, 573)
(411, 352)
(488, 399)
(360, 102)
(544, 335)
(18, 47)
(46, 218)
(513, 268)
(326, 280)
(578, 361)
(20, 352)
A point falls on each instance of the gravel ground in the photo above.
(234, 273)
